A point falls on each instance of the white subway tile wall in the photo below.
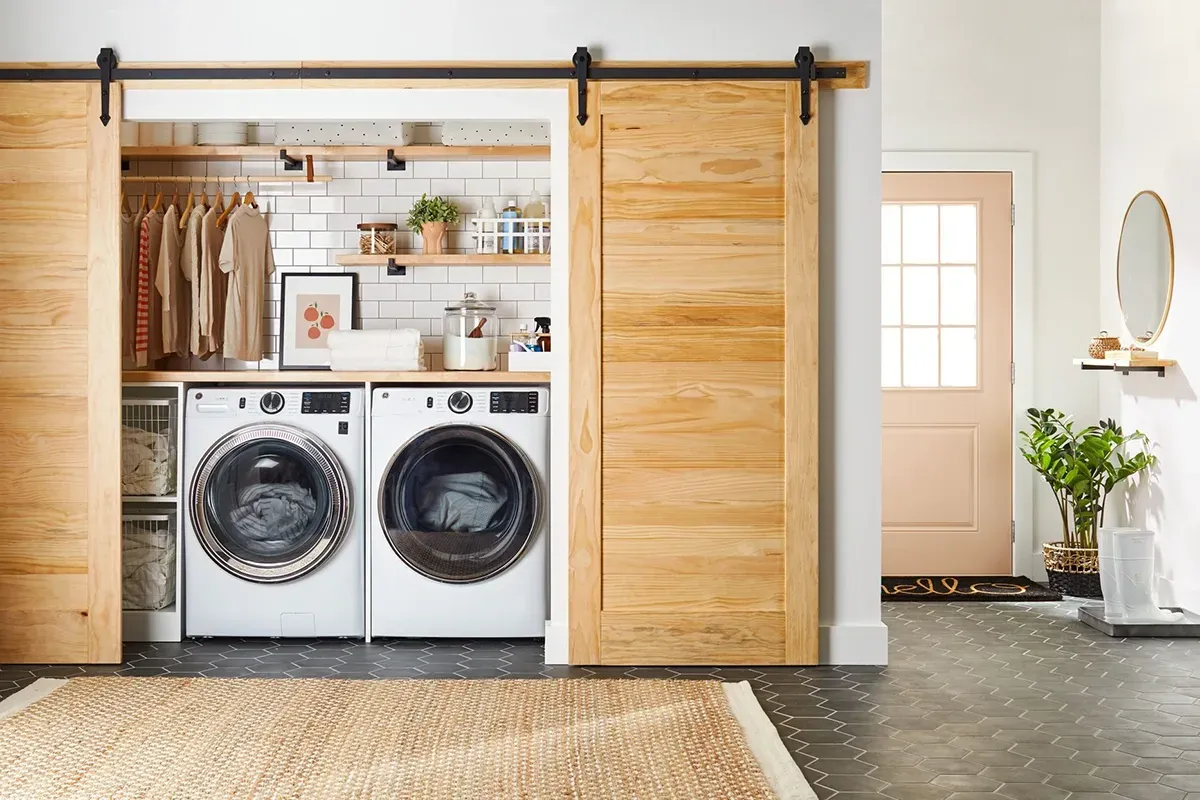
(311, 224)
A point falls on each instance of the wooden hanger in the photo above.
(143, 206)
(248, 200)
(204, 194)
(234, 202)
(174, 197)
(187, 211)
(157, 199)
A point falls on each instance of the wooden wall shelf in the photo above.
(1155, 365)
(268, 152)
(451, 259)
(302, 377)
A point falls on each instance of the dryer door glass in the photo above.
(459, 503)
(270, 503)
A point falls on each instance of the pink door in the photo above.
(947, 381)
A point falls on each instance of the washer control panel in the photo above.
(325, 403)
(514, 402)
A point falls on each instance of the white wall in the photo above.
(74, 30)
(1149, 141)
(1019, 75)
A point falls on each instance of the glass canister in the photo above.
(377, 238)
(470, 335)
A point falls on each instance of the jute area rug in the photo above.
(324, 739)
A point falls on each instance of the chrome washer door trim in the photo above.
(329, 468)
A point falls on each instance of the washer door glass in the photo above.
(270, 503)
(459, 503)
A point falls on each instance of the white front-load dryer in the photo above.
(459, 529)
(274, 534)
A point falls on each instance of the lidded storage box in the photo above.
(470, 335)
(377, 238)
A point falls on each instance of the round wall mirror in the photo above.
(1145, 267)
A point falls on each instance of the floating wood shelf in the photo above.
(270, 152)
(1156, 365)
(302, 377)
(148, 498)
(452, 259)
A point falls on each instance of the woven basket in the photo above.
(1102, 344)
(1073, 571)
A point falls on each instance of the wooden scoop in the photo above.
(478, 332)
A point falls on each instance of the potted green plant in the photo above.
(1081, 467)
(429, 217)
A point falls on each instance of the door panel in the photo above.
(60, 546)
(947, 397)
(694, 368)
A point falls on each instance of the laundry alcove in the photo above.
(684, 438)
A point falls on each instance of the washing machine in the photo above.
(459, 529)
(274, 534)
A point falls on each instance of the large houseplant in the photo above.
(1081, 467)
(430, 216)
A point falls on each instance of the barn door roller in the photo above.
(804, 69)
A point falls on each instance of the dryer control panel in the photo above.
(514, 402)
(325, 403)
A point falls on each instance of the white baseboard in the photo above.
(557, 651)
(854, 644)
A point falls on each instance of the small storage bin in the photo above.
(149, 432)
(184, 134)
(222, 133)
(147, 561)
(469, 132)
(398, 134)
(523, 235)
(156, 134)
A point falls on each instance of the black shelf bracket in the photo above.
(290, 164)
(395, 269)
(395, 164)
(107, 62)
(1126, 369)
(582, 61)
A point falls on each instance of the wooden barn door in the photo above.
(693, 358)
(60, 546)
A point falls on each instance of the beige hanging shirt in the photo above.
(189, 264)
(176, 301)
(213, 282)
(246, 258)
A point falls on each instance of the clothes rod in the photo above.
(226, 179)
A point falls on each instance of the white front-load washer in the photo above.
(459, 528)
(274, 534)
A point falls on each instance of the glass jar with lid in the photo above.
(470, 335)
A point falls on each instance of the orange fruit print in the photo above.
(311, 314)
(314, 332)
(327, 321)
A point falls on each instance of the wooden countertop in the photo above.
(328, 376)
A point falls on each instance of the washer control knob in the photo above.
(271, 402)
(459, 402)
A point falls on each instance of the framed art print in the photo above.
(311, 305)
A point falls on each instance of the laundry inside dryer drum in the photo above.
(272, 509)
(459, 503)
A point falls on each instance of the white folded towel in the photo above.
(344, 363)
(372, 340)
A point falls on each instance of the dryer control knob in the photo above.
(459, 402)
(271, 402)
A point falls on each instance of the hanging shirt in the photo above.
(213, 282)
(189, 264)
(176, 302)
(131, 231)
(246, 258)
(147, 337)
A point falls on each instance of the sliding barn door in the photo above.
(693, 357)
(60, 550)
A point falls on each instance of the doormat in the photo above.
(375, 739)
(980, 589)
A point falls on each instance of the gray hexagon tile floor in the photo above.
(1002, 700)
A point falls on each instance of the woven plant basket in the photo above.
(1073, 571)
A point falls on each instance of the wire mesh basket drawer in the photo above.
(149, 430)
(147, 561)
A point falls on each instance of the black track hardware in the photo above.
(395, 164)
(805, 70)
(290, 163)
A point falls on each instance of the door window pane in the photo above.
(958, 235)
(920, 227)
(891, 357)
(891, 234)
(958, 296)
(920, 295)
(920, 356)
(958, 357)
(891, 296)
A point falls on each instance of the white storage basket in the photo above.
(148, 553)
(149, 432)
(398, 134)
(500, 132)
(528, 235)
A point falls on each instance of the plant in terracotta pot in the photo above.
(1081, 468)
(429, 217)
